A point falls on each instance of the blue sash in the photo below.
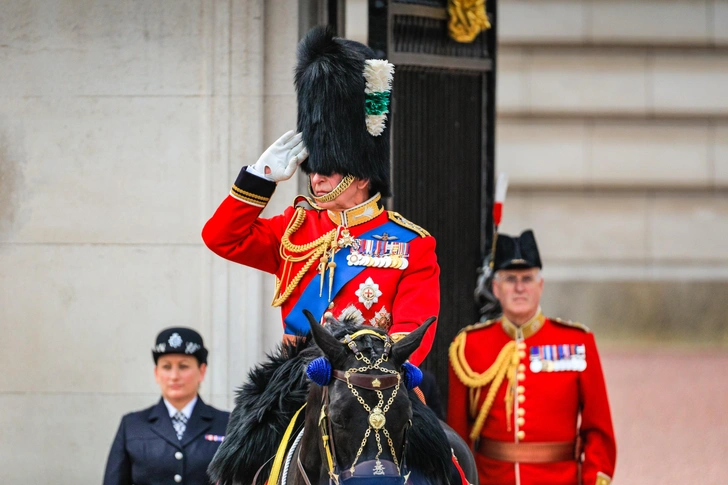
(296, 322)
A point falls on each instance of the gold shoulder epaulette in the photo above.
(478, 325)
(397, 218)
(305, 202)
(569, 323)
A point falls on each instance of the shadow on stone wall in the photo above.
(12, 164)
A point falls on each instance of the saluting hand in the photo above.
(280, 161)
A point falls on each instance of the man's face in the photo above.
(354, 195)
(519, 292)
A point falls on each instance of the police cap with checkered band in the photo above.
(180, 340)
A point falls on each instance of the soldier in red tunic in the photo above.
(527, 391)
(337, 253)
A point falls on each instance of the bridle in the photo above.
(392, 471)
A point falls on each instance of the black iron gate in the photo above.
(443, 127)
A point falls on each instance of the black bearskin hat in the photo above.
(332, 110)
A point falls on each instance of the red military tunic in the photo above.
(557, 380)
(395, 295)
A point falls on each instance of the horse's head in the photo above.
(361, 411)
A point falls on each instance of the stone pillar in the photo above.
(122, 126)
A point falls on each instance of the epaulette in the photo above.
(569, 323)
(398, 219)
(306, 203)
(479, 325)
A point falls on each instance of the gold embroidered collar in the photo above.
(527, 329)
(359, 214)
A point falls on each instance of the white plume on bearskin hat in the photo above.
(343, 100)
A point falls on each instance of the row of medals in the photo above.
(392, 261)
(356, 259)
(573, 364)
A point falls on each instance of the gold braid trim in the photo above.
(341, 187)
(505, 365)
(316, 250)
(397, 218)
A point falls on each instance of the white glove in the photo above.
(281, 159)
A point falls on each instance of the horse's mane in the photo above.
(276, 388)
(428, 452)
(264, 405)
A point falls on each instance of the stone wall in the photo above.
(613, 128)
(122, 126)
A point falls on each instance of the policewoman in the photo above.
(173, 441)
(526, 390)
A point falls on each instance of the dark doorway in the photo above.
(443, 128)
(443, 141)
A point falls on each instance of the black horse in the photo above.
(362, 426)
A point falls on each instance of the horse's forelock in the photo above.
(339, 328)
(370, 346)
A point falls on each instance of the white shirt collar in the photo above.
(187, 410)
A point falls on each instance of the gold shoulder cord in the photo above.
(316, 251)
(505, 365)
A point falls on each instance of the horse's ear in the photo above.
(404, 348)
(332, 348)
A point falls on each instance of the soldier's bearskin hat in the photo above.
(516, 252)
(343, 98)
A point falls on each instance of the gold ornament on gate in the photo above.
(468, 18)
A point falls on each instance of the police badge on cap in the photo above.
(180, 340)
(516, 252)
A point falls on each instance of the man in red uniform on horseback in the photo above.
(528, 391)
(337, 253)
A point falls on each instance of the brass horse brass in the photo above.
(377, 419)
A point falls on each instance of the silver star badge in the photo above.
(368, 293)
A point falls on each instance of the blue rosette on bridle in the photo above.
(319, 371)
(412, 375)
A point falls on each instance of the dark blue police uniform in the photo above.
(146, 450)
